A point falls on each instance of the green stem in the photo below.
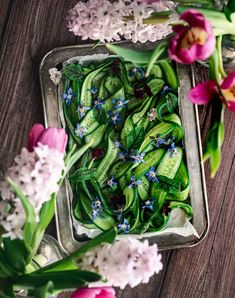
(220, 57)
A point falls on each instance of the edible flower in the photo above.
(93, 90)
(115, 117)
(137, 70)
(68, 96)
(138, 158)
(124, 227)
(100, 292)
(98, 103)
(134, 183)
(152, 175)
(172, 150)
(80, 130)
(119, 103)
(148, 204)
(82, 110)
(152, 115)
(53, 137)
(96, 208)
(111, 182)
(194, 39)
(158, 141)
(117, 144)
(123, 155)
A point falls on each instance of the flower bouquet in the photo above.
(26, 208)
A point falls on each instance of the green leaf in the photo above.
(6, 269)
(83, 174)
(45, 291)
(30, 223)
(135, 137)
(215, 138)
(67, 279)
(136, 57)
(160, 49)
(73, 72)
(17, 253)
(70, 261)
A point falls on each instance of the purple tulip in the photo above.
(194, 40)
(53, 137)
(102, 292)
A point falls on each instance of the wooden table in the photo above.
(28, 30)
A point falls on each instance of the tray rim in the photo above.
(45, 63)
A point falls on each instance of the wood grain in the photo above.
(28, 30)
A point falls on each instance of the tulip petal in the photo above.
(34, 135)
(104, 292)
(203, 93)
(229, 81)
(54, 138)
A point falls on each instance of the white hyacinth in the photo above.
(125, 262)
(101, 20)
(37, 174)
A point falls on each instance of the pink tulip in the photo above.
(227, 88)
(53, 137)
(203, 93)
(194, 40)
(105, 292)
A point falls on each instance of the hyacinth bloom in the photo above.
(53, 137)
(102, 292)
(203, 93)
(193, 40)
(127, 262)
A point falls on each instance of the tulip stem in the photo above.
(220, 57)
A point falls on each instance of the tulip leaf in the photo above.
(136, 57)
(215, 138)
(67, 279)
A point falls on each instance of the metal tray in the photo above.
(190, 122)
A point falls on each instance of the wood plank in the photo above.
(5, 9)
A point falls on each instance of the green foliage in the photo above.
(73, 72)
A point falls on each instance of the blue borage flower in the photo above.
(82, 110)
(118, 144)
(119, 103)
(96, 208)
(68, 96)
(138, 158)
(111, 182)
(136, 70)
(152, 175)
(166, 89)
(124, 227)
(114, 117)
(148, 204)
(119, 212)
(93, 90)
(172, 150)
(123, 155)
(98, 103)
(134, 183)
(158, 141)
(80, 130)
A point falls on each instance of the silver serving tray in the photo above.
(190, 122)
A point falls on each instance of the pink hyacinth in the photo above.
(205, 92)
(53, 137)
(104, 292)
(194, 40)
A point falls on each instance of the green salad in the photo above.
(125, 127)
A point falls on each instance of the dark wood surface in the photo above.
(28, 30)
